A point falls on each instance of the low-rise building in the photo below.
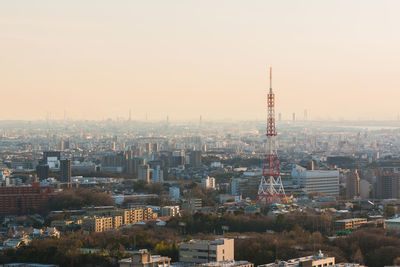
(97, 224)
(143, 258)
(170, 211)
(309, 261)
(28, 265)
(349, 224)
(192, 204)
(251, 210)
(231, 263)
(204, 251)
(349, 265)
(106, 219)
(393, 224)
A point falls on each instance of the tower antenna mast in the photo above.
(271, 188)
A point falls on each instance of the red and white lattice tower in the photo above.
(271, 188)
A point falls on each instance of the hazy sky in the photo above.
(98, 59)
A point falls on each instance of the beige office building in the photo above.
(203, 251)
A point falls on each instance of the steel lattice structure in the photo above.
(271, 188)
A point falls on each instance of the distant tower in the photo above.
(200, 121)
(271, 189)
(130, 115)
(305, 115)
(294, 117)
(280, 117)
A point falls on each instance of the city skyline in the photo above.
(184, 60)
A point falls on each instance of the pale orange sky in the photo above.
(98, 59)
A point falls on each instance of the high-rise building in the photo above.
(148, 147)
(129, 166)
(157, 175)
(67, 144)
(113, 162)
(178, 158)
(144, 173)
(294, 117)
(204, 148)
(137, 163)
(195, 159)
(42, 171)
(156, 147)
(61, 145)
(208, 182)
(387, 185)
(65, 170)
(352, 185)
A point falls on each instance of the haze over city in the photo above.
(99, 59)
(213, 133)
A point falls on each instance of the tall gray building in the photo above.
(144, 173)
(65, 170)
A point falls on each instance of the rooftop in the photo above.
(394, 220)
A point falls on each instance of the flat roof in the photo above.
(394, 220)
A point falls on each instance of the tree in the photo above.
(389, 211)
(170, 250)
(78, 198)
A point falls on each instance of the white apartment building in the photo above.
(157, 175)
(208, 182)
